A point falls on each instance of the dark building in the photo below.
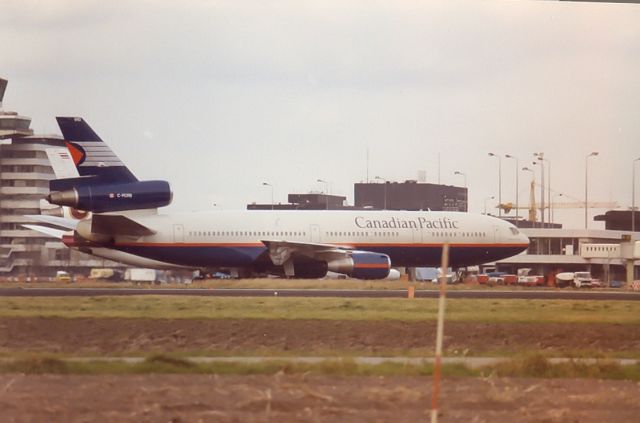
(619, 220)
(410, 195)
(312, 201)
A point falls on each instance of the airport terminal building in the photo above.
(25, 172)
(605, 253)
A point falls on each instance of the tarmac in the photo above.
(538, 294)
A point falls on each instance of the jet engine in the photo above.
(356, 264)
(362, 265)
(111, 197)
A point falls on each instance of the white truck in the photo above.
(141, 275)
(526, 278)
(575, 279)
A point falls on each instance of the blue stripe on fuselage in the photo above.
(198, 256)
(244, 256)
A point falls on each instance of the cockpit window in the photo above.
(514, 231)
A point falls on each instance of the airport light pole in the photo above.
(485, 202)
(385, 190)
(509, 156)
(633, 196)
(326, 192)
(267, 184)
(499, 183)
(586, 185)
(533, 181)
(551, 205)
(541, 158)
(464, 175)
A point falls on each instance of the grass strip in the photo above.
(540, 367)
(531, 366)
(423, 309)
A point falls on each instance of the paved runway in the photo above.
(538, 294)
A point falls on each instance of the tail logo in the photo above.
(77, 152)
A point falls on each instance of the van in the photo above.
(62, 276)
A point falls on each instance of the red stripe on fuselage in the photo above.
(187, 244)
(350, 246)
(371, 265)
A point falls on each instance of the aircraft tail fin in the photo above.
(91, 155)
(104, 183)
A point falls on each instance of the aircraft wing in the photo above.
(53, 233)
(106, 224)
(281, 251)
(110, 224)
(54, 220)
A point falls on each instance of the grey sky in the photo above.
(219, 96)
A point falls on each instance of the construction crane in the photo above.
(533, 208)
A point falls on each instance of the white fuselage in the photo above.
(235, 238)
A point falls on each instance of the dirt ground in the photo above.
(308, 398)
(287, 398)
(122, 336)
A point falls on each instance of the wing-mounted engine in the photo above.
(95, 195)
(362, 265)
(307, 260)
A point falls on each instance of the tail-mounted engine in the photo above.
(92, 195)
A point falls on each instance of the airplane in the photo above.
(364, 244)
(68, 217)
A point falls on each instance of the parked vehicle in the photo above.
(616, 284)
(510, 279)
(62, 276)
(141, 275)
(525, 278)
(575, 279)
(106, 274)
